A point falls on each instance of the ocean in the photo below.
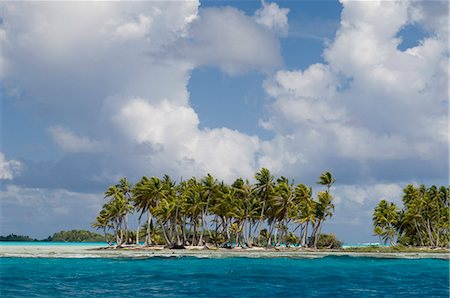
(331, 276)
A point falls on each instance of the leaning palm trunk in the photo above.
(317, 233)
(200, 242)
(250, 240)
(137, 231)
(271, 228)
(183, 229)
(148, 239)
(261, 223)
(244, 241)
(164, 233)
(194, 236)
(276, 238)
(305, 234)
(126, 228)
(430, 234)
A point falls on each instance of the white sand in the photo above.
(68, 251)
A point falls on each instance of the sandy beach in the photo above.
(76, 251)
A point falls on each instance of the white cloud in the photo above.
(370, 100)
(273, 17)
(175, 143)
(70, 142)
(371, 194)
(229, 39)
(9, 168)
(134, 30)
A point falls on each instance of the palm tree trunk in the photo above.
(317, 234)
(228, 232)
(430, 234)
(275, 237)
(305, 234)
(418, 232)
(126, 228)
(203, 228)
(137, 231)
(164, 233)
(183, 229)
(194, 236)
(250, 240)
(148, 239)
(260, 223)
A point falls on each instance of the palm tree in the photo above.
(194, 206)
(209, 189)
(118, 208)
(125, 187)
(173, 210)
(326, 179)
(385, 218)
(102, 222)
(307, 210)
(263, 188)
(324, 207)
(283, 202)
(147, 194)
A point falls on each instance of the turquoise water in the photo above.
(227, 277)
(38, 243)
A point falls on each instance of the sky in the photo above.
(92, 92)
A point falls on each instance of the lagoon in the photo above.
(182, 276)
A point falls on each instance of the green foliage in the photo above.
(206, 210)
(328, 241)
(14, 237)
(423, 221)
(385, 218)
(77, 236)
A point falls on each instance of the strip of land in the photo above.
(68, 251)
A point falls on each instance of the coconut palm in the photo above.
(306, 210)
(385, 218)
(147, 194)
(209, 189)
(326, 179)
(324, 207)
(264, 189)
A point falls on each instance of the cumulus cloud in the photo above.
(9, 169)
(107, 75)
(175, 143)
(273, 17)
(367, 194)
(134, 30)
(369, 102)
(70, 142)
(227, 38)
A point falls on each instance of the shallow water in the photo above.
(212, 277)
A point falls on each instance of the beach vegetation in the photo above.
(328, 241)
(208, 212)
(424, 219)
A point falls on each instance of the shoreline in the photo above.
(73, 251)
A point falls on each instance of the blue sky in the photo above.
(225, 87)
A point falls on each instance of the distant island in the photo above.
(62, 236)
